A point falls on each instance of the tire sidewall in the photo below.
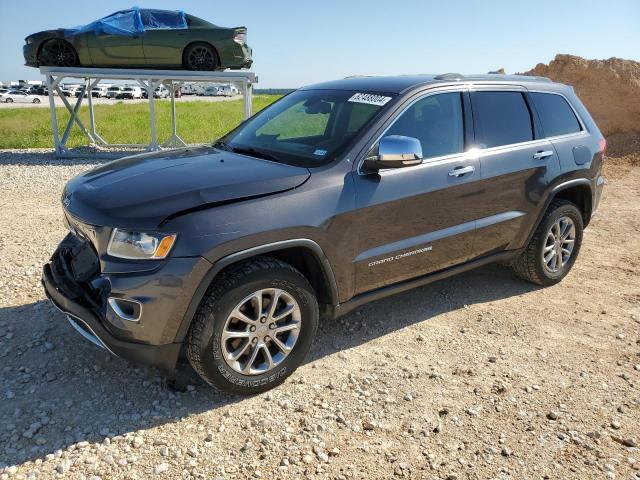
(187, 52)
(213, 363)
(566, 210)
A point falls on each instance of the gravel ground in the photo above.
(478, 376)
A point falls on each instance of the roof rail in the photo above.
(449, 76)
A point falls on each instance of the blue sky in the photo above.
(301, 42)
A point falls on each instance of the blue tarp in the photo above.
(133, 22)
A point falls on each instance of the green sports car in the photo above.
(142, 38)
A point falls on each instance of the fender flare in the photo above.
(552, 194)
(224, 262)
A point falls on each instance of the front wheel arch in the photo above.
(280, 250)
(52, 39)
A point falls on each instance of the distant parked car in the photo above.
(179, 40)
(161, 92)
(114, 92)
(18, 97)
(227, 90)
(188, 89)
(99, 91)
(210, 92)
(70, 91)
(130, 92)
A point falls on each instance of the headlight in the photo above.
(29, 40)
(139, 245)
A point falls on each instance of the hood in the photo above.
(143, 190)
(58, 32)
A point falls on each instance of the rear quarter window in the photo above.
(556, 114)
(501, 118)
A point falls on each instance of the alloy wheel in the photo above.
(201, 58)
(58, 53)
(261, 331)
(559, 244)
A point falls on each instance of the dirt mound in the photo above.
(610, 89)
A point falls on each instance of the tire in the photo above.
(200, 56)
(9, 100)
(57, 53)
(236, 289)
(36, 100)
(531, 264)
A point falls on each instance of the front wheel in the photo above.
(254, 328)
(36, 100)
(9, 100)
(57, 53)
(554, 247)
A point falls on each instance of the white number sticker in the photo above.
(370, 98)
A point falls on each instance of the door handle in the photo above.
(459, 171)
(542, 154)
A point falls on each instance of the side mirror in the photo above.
(394, 151)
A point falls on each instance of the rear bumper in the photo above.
(90, 327)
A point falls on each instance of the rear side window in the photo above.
(502, 118)
(556, 114)
(161, 19)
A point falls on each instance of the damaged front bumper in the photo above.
(134, 315)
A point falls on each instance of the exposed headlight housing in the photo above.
(140, 245)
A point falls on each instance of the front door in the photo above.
(118, 42)
(420, 219)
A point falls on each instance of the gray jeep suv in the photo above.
(336, 195)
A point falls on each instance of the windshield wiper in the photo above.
(252, 152)
(221, 145)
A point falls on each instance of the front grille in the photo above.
(73, 266)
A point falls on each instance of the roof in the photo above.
(402, 83)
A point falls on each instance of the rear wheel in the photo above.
(200, 56)
(57, 53)
(553, 249)
(36, 100)
(254, 327)
(9, 100)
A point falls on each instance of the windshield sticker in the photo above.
(320, 152)
(370, 98)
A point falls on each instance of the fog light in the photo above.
(129, 310)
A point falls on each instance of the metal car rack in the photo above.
(149, 80)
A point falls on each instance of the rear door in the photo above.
(562, 127)
(517, 164)
(164, 37)
(420, 219)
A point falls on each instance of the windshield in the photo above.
(306, 128)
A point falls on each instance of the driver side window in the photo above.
(436, 121)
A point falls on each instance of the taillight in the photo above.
(240, 36)
(603, 145)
